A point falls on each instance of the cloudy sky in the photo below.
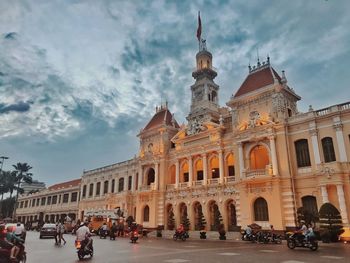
(79, 79)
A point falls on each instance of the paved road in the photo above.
(149, 250)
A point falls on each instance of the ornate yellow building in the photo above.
(256, 160)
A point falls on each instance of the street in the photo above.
(160, 250)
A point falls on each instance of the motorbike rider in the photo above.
(19, 230)
(5, 244)
(83, 235)
(309, 233)
(180, 230)
(104, 228)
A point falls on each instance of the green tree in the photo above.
(330, 222)
(200, 224)
(22, 175)
(171, 220)
(217, 218)
(307, 217)
(185, 221)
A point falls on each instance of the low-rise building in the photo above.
(49, 205)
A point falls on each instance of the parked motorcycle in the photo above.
(81, 251)
(183, 236)
(298, 240)
(134, 236)
(247, 237)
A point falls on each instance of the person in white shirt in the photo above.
(83, 235)
(19, 229)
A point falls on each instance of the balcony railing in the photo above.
(254, 173)
(230, 179)
(213, 181)
(183, 185)
(198, 183)
(170, 186)
(146, 188)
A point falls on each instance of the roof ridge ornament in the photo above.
(259, 65)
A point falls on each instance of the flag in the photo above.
(199, 29)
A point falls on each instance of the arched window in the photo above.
(310, 204)
(146, 214)
(98, 188)
(302, 152)
(172, 175)
(328, 149)
(150, 176)
(230, 165)
(105, 187)
(91, 189)
(121, 184)
(84, 191)
(259, 158)
(129, 182)
(113, 186)
(261, 212)
(214, 167)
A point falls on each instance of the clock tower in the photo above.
(205, 92)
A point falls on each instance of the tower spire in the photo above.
(199, 30)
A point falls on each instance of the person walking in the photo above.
(60, 232)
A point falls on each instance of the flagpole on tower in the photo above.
(199, 31)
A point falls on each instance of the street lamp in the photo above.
(2, 162)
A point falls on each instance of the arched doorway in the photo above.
(146, 214)
(184, 216)
(215, 218)
(331, 220)
(259, 158)
(150, 176)
(231, 215)
(170, 217)
(198, 219)
(261, 212)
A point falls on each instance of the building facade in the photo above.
(33, 187)
(257, 159)
(51, 204)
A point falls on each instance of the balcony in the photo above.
(230, 179)
(255, 173)
(213, 181)
(197, 183)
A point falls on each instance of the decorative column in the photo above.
(140, 177)
(315, 148)
(93, 190)
(221, 167)
(109, 186)
(342, 204)
(126, 182)
(205, 169)
(324, 194)
(273, 155)
(340, 140)
(156, 176)
(177, 174)
(133, 181)
(241, 160)
(190, 171)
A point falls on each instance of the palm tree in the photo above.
(22, 175)
(10, 182)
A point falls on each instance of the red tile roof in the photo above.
(258, 79)
(162, 116)
(72, 183)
